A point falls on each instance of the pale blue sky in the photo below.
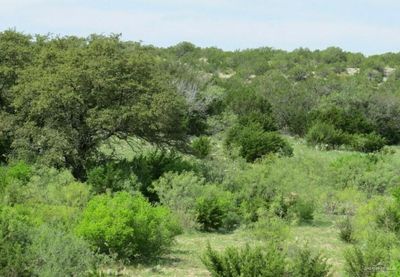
(368, 26)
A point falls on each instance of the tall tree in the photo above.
(80, 92)
(15, 53)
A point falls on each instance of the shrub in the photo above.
(251, 108)
(201, 147)
(271, 228)
(14, 243)
(18, 173)
(305, 264)
(127, 226)
(390, 217)
(251, 262)
(113, 177)
(367, 142)
(196, 202)
(178, 192)
(292, 207)
(346, 230)
(325, 134)
(56, 253)
(304, 210)
(371, 173)
(281, 205)
(153, 165)
(369, 258)
(254, 143)
(215, 210)
(50, 196)
(137, 174)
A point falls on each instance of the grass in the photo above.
(185, 258)
(322, 236)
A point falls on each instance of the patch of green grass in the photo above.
(185, 257)
(322, 236)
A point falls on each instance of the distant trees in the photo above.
(15, 54)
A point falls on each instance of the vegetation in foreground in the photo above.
(123, 159)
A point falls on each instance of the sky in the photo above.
(367, 26)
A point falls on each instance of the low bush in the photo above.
(307, 264)
(292, 207)
(369, 258)
(56, 253)
(304, 210)
(137, 174)
(215, 210)
(373, 173)
(326, 135)
(151, 166)
(249, 262)
(178, 192)
(113, 177)
(389, 218)
(198, 204)
(270, 228)
(201, 146)
(346, 230)
(15, 174)
(268, 261)
(254, 143)
(127, 226)
(15, 238)
(367, 142)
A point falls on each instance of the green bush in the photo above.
(197, 203)
(292, 207)
(113, 177)
(346, 230)
(151, 166)
(127, 226)
(390, 218)
(367, 142)
(50, 196)
(179, 192)
(14, 244)
(304, 210)
(370, 258)
(201, 147)
(305, 264)
(56, 253)
(325, 134)
(251, 108)
(249, 262)
(17, 173)
(270, 228)
(254, 143)
(137, 174)
(214, 210)
(371, 173)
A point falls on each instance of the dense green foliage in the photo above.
(250, 262)
(110, 149)
(127, 226)
(264, 262)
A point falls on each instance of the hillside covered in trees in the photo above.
(123, 159)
